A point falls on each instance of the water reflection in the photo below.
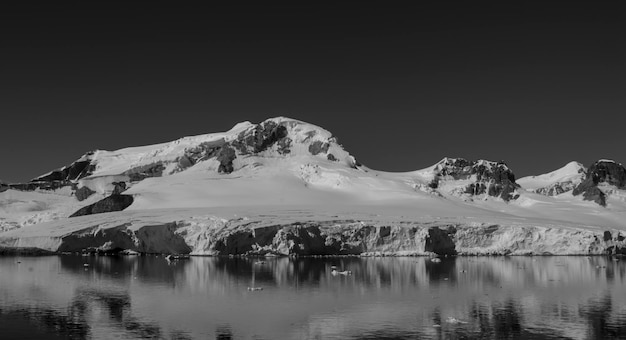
(383, 298)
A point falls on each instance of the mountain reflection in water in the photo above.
(73, 297)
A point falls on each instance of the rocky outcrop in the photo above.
(259, 139)
(118, 188)
(60, 178)
(83, 193)
(249, 142)
(145, 171)
(24, 251)
(72, 172)
(226, 156)
(202, 152)
(333, 238)
(39, 185)
(557, 188)
(601, 172)
(490, 178)
(111, 203)
(318, 147)
(160, 238)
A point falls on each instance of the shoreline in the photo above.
(38, 252)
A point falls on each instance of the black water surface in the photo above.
(75, 297)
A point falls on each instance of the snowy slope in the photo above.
(20, 208)
(572, 173)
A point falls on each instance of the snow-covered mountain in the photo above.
(279, 161)
(285, 173)
(603, 179)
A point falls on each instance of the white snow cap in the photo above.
(570, 172)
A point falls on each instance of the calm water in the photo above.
(384, 298)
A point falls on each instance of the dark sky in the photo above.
(534, 84)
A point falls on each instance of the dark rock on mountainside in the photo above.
(3, 187)
(556, 188)
(318, 147)
(72, 172)
(259, 139)
(200, 153)
(251, 142)
(40, 185)
(607, 172)
(57, 179)
(118, 187)
(108, 204)
(226, 156)
(284, 145)
(83, 193)
(590, 192)
(145, 171)
(492, 178)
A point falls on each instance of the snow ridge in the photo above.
(556, 182)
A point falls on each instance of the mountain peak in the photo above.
(555, 182)
(244, 145)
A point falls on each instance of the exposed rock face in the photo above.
(145, 171)
(333, 238)
(607, 172)
(284, 145)
(3, 187)
(83, 193)
(259, 139)
(108, 204)
(149, 239)
(200, 153)
(40, 185)
(250, 142)
(226, 156)
(60, 178)
(557, 188)
(74, 171)
(26, 251)
(318, 147)
(491, 178)
(118, 187)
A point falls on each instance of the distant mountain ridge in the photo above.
(556, 182)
